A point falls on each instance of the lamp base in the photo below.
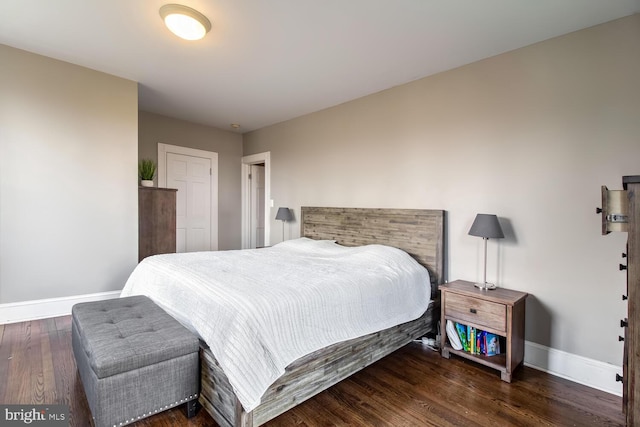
(485, 286)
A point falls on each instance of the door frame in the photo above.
(247, 161)
(163, 149)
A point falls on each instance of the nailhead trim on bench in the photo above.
(155, 411)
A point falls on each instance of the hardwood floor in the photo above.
(412, 387)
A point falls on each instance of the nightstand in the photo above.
(499, 311)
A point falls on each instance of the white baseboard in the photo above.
(44, 308)
(582, 370)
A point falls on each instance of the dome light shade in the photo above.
(185, 22)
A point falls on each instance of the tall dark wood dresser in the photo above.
(156, 221)
(621, 212)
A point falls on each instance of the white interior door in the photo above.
(195, 174)
(257, 205)
(191, 175)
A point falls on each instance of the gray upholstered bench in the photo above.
(134, 360)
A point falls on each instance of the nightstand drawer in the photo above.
(483, 313)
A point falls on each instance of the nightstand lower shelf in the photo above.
(498, 362)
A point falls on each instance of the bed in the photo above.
(416, 232)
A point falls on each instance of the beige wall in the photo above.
(529, 135)
(68, 190)
(154, 129)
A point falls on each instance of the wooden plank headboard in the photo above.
(419, 232)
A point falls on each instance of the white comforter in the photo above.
(259, 310)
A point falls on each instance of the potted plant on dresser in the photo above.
(146, 172)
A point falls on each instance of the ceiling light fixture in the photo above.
(185, 22)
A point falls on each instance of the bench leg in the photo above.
(192, 408)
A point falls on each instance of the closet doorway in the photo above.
(256, 200)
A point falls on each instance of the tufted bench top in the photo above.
(123, 334)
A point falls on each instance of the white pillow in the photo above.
(305, 243)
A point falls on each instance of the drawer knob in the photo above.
(623, 267)
(473, 310)
(620, 338)
(624, 323)
(624, 297)
(618, 378)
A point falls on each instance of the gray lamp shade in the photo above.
(486, 226)
(284, 214)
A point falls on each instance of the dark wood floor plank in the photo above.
(411, 387)
(48, 325)
(48, 372)
(34, 361)
(5, 352)
(63, 323)
(24, 382)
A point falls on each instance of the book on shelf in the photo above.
(477, 341)
(462, 334)
(492, 344)
(471, 336)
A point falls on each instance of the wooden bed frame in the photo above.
(419, 233)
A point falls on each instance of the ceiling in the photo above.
(266, 61)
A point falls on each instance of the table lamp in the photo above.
(284, 215)
(487, 227)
